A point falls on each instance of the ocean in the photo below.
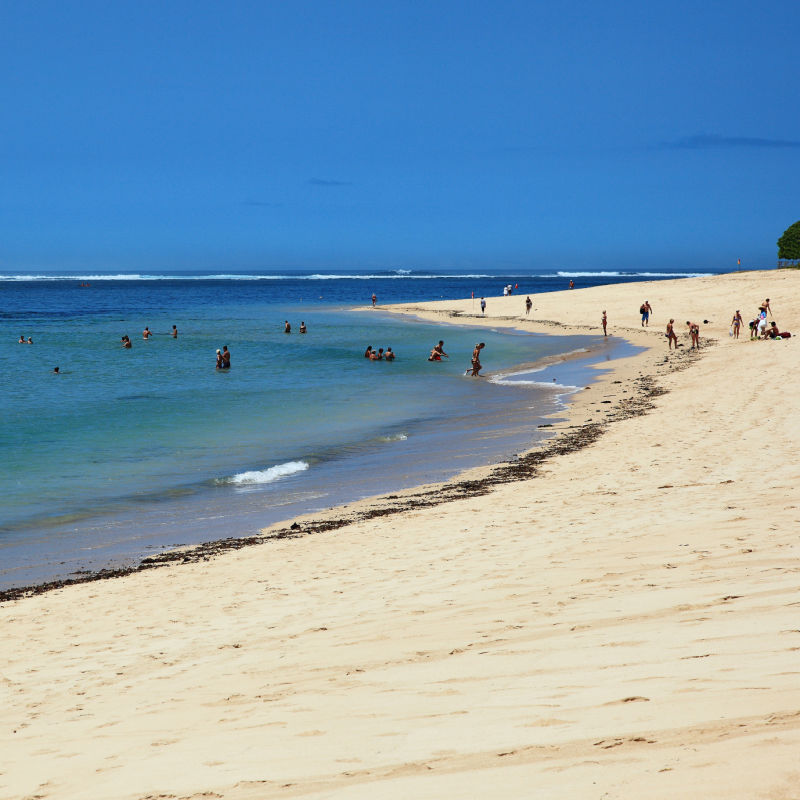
(130, 451)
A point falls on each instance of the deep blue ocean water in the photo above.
(130, 451)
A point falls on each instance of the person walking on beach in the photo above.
(374, 299)
(226, 357)
(528, 305)
(764, 308)
(604, 322)
(483, 305)
(645, 310)
(694, 333)
(736, 323)
(671, 335)
(476, 359)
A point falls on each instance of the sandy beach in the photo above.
(615, 617)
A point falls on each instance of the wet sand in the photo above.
(613, 614)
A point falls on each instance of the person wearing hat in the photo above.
(219, 359)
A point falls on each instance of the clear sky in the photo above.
(377, 133)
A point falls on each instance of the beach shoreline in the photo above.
(618, 618)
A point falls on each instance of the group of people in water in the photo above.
(380, 354)
(23, 340)
(438, 353)
(287, 327)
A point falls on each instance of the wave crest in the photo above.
(256, 477)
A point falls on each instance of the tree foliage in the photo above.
(789, 243)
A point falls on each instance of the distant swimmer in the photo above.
(146, 334)
(377, 356)
(226, 357)
(302, 327)
(30, 340)
(126, 342)
(438, 352)
(476, 359)
(374, 299)
(21, 340)
(389, 354)
(368, 352)
(528, 305)
(671, 335)
(604, 322)
(174, 332)
(287, 328)
(572, 284)
(56, 371)
(483, 305)
(219, 359)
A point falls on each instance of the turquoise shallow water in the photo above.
(132, 450)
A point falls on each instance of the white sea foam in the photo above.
(394, 437)
(614, 274)
(505, 379)
(254, 477)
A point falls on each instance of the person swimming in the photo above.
(438, 352)
(302, 327)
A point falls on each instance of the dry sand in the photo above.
(624, 624)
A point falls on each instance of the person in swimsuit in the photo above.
(226, 357)
(368, 352)
(389, 354)
(146, 334)
(764, 308)
(30, 340)
(377, 356)
(483, 305)
(56, 371)
(604, 322)
(302, 327)
(694, 333)
(374, 299)
(21, 340)
(671, 335)
(476, 359)
(528, 305)
(736, 323)
(174, 332)
(126, 342)
(438, 352)
(287, 328)
(219, 359)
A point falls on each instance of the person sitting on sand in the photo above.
(671, 335)
(368, 352)
(694, 334)
(302, 327)
(438, 352)
(389, 356)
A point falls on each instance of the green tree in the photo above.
(789, 243)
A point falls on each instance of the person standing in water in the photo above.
(287, 328)
(174, 332)
(476, 359)
(146, 334)
(302, 327)
(226, 357)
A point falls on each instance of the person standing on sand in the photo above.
(571, 284)
(736, 323)
(671, 336)
(374, 299)
(528, 304)
(764, 308)
(604, 322)
(645, 310)
(694, 333)
(483, 305)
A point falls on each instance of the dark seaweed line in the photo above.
(521, 468)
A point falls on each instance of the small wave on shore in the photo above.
(510, 379)
(256, 477)
(394, 437)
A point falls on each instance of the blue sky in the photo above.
(246, 135)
